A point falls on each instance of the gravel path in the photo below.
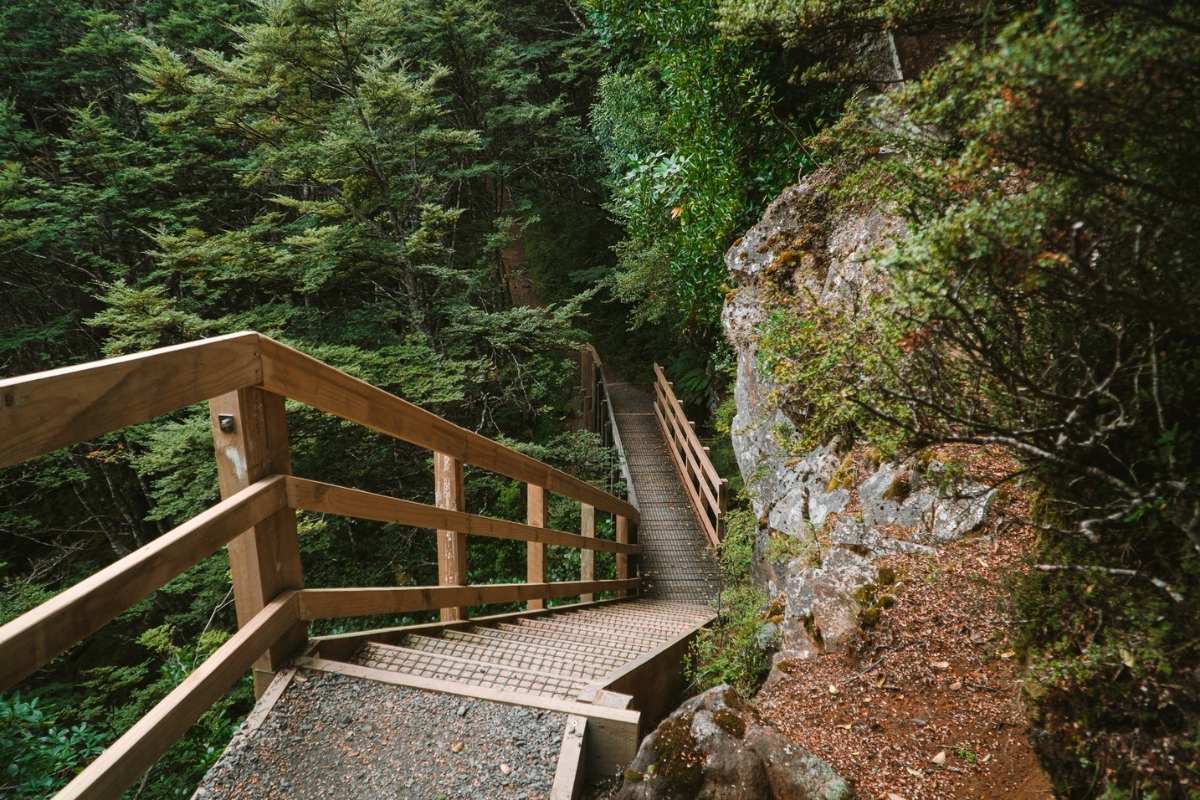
(330, 736)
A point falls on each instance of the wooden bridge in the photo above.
(609, 659)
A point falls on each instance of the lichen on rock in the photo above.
(824, 519)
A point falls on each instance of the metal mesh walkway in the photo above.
(676, 562)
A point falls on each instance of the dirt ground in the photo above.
(928, 707)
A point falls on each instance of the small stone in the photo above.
(462, 711)
(456, 746)
(940, 758)
(505, 769)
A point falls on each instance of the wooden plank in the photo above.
(48, 410)
(362, 602)
(535, 552)
(328, 498)
(452, 546)
(33, 638)
(570, 772)
(624, 718)
(587, 558)
(622, 533)
(265, 560)
(120, 766)
(293, 374)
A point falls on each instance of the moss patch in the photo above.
(680, 764)
(730, 722)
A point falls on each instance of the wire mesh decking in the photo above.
(676, 562)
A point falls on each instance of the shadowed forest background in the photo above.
(367, 180)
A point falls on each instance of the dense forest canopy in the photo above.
(369, 181)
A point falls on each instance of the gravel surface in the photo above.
(330, 736)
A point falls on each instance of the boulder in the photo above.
(824, 256)
(713, 747)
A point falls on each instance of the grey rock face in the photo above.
(900, 508)
(713, 748)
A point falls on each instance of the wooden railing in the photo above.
(704, 485)
(245, 378)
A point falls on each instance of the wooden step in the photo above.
(607, 639)
(560, 663)
(668, 627)
(465, 671)
(519, 635)
(642, 639)
(557, 638)
(591, 654)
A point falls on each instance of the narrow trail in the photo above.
(676, 562)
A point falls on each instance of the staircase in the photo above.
(606, 666)
(557, 655)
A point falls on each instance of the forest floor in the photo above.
(929, 706)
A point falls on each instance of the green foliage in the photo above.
(697, 131)
(40, 751)
(728, 651)
(350, 177)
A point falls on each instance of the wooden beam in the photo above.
(328, 498)
(250, 439)
(620, 716)
(293, 374)
(587, 558)
(570, 773)
(452, 546)
(535, 552)
(48, 410)
(363, 602)
(120, 766)
(33, 638)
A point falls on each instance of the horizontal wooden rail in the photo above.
(705, 486)
(362, 602)
(327, 498)
(35, 637)
(293, 374)
(48, 410)
(120, 766)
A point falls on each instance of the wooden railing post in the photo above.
(451, 545)
(587, 558)
(535, 554)
(622, 558)
(251, 442)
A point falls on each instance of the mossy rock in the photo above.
(679, 762)
(730, 722)
(633, 776)
(885, 576)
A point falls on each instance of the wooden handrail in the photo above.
(48, 410)
(119, 767)
(293, 374)
(705, 486)
(35, 637)
(326, 498)
(245, 377)
(44, 411)
(362, 602)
